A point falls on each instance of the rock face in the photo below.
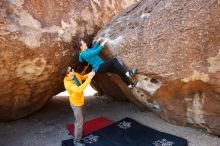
(113, 86)
(38, 41)
(175, 45)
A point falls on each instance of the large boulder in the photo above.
(38, 39)
(175, 45)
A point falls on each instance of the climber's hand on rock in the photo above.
(99, 39)
(105, 41)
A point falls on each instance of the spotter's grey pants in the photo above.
(78, 130)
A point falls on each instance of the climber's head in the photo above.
(70, 72)
(83, 45)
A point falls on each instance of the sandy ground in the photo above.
(47, 126)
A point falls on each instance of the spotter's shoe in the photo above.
(78, 143)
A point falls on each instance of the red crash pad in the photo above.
(92, 125)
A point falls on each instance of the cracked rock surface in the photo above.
(38, 39)
(175, 45)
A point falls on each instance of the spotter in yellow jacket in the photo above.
(75, 88)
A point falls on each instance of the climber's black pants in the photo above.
(113, 66)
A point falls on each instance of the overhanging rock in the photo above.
(175, 45)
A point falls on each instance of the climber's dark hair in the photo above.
(65, 70)
(79, 43)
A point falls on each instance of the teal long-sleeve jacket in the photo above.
(90, 55)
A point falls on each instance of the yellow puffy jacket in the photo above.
(76, 92)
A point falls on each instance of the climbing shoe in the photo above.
(132, 72)
(132, 85)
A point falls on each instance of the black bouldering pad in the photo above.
(128, 132)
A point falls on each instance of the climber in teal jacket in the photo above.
(91, 56)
